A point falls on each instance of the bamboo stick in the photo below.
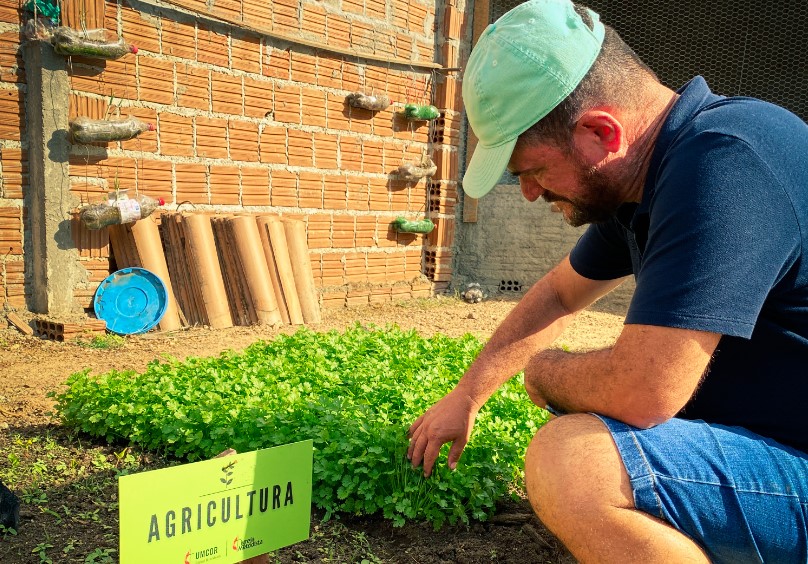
(205, 265)
(301, 267)
(147, 240)
(256, 272)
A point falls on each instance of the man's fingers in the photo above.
(430, 456)
(415, 425)
(414, 434)
(418, 446)
(455, 452)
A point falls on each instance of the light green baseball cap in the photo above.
(522, 67)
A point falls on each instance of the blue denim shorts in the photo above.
(741, 497)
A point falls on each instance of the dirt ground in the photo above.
(31, 367)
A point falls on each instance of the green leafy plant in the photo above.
(353, 393)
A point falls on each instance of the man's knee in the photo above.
(573, 462)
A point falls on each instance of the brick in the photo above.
(300, 147)
(156, 80)
(154, 178)
(243, 140)
(287, 103)
(312, 22)
(356, 273)
(283, 188)
(246, 54)
(14, 172)
(350, 154)
(329, 71)
(192, 183)
(358, 193)
(424, 50)
(361, 120)
(353, 6)
(325, 151)
(88, 193)
(12, 67)
(104, 81)
(176, 135)
(10, 13)
(272, 145)
(351, 77)
(193, 87)
(404, 46)
(417, 19)
(212, 48)
(378, 195)
(313, 103)
(254, 186)
(399, 13)
(377, 274)
(256, 13)
(12, 111)
(338, 31)
(179, 39)
(366, 231)
(333, 271)
(257, 97)
(337, 112)
(225, 185)
(400, 199)
(141, 29)
(343, 231)
(335, 299)
(310, 190)
(304, 68)
(376, 10)
(226, 93)
(373, 156)
(453, 22)
(383, 123)
(284, 16)
(334, 192)
(228, 10)
(412, 264)
(277, 63)
(211, 137)
(318, 231)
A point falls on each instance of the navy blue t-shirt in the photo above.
(717, 244)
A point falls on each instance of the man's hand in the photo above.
(449, 420)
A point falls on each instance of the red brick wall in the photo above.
(246, 121)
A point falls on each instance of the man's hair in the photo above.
(615, 79)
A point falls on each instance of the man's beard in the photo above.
(601, 201)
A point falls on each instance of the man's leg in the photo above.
(580, 490)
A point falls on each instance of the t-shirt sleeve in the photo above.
(601, 253)
(722, 233)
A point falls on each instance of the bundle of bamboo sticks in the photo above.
(224, 270)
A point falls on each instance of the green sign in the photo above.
(222, 510)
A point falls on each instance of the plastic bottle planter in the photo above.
(415, 112)
(94, 44)
(413, 173)
(85, 130)
(115, 212)
(372, 103)
(404, 225)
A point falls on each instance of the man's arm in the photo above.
(644, 379)
(532, 325)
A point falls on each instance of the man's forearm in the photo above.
(569, 382)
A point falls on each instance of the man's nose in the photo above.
(531, 189)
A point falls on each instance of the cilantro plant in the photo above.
(354, 393)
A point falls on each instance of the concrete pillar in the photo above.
(50, 254)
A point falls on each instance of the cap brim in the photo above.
(486, 167)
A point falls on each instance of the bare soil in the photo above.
(31, 367)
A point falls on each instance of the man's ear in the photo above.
(598, 133)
